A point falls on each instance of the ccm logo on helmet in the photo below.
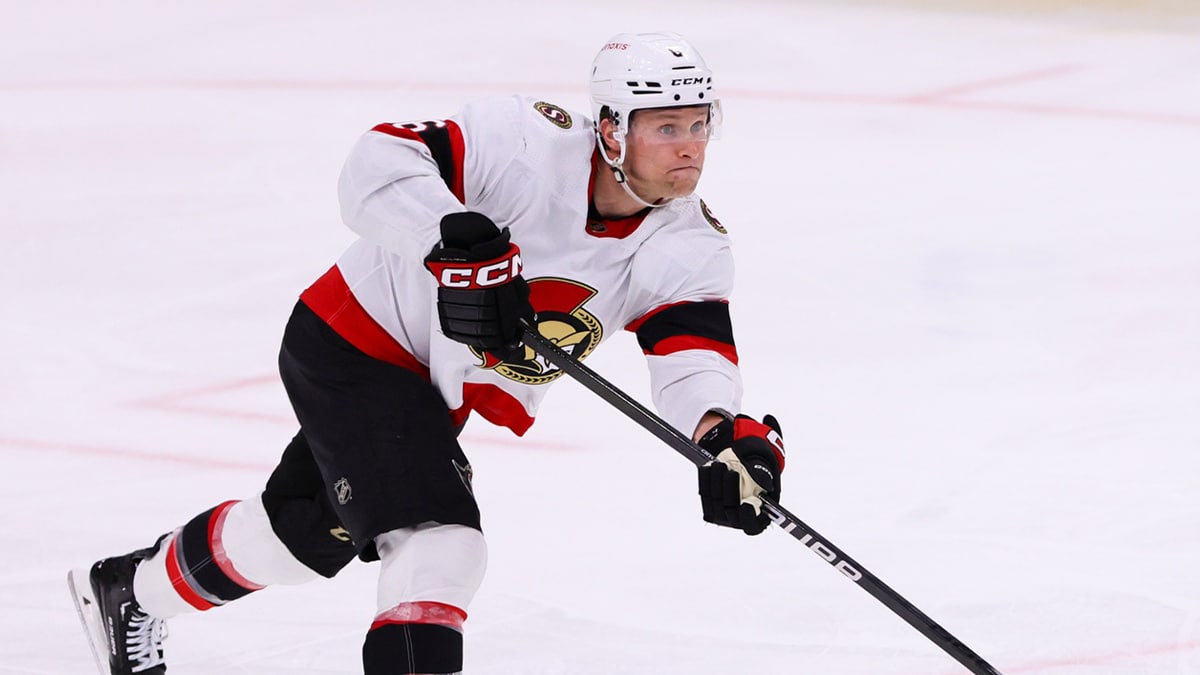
(479, 275)
(687, 80)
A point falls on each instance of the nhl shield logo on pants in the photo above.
(342, 489)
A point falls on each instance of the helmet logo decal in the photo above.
(557, 116)
(676, 52)
(561, 317)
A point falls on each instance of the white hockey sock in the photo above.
(237, 549)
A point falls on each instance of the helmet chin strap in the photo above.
(619, 172)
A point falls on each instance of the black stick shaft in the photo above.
(779, 515)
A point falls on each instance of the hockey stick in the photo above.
(779, 515)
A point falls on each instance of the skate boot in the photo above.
(125, 639)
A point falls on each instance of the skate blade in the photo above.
(89, 616)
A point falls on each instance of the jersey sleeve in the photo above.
(401, 178)
(685, 329)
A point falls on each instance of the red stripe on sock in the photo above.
(436, 613)
(179, 582)
(216, 526)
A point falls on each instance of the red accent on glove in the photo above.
(744, 427)
(483, 274)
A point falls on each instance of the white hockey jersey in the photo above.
(665, 274)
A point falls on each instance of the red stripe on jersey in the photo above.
(216, 543)
(458, 147)
(179, 582)
(495, 405)
(685, 342)
(397, 131)
(442, 138)
(434, 613)
(332, 300)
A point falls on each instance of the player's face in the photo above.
(665, 151)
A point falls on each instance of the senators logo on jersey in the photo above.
(559, 117)
(712, 220)
(562, 318)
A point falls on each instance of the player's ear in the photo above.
(607, 129)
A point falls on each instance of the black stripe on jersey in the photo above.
(445, 144)
(691, 321)
(437, 138)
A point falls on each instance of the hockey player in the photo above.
(512, 211)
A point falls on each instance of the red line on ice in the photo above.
(180, 402)
(933, 99)
(992, 83)
(219, 388)
(1047, 665)
(127, 454)
(1101, 659)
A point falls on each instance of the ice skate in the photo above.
(124, 638)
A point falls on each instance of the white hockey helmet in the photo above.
(635, 71)
(648, 70)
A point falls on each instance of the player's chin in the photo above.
(675, 184)
(684, 186)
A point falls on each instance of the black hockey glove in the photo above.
(481, 294)
(749, 460)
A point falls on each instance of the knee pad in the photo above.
(430, 563)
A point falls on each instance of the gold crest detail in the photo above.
(712, 220)
(557, 116)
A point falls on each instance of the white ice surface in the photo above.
(969, 287)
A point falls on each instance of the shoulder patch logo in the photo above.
(557, 116)
(712, 220)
